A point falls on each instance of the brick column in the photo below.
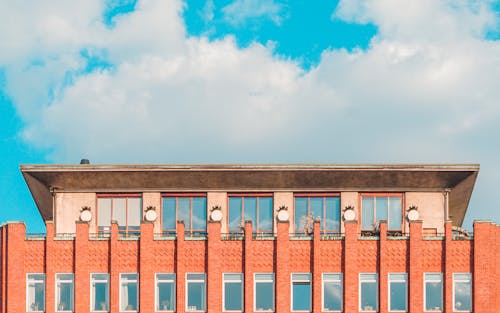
(351, 272)
(383, 269)
(248, 263)
(146, 270)
(3, 268)
(180, 269)
(415, 290)
(316, 269)
(214, 271)
(484, 262)
(282, 287)
(16, 277)
(82, 276)
(49, 268)
(114, 272)
(448, 275)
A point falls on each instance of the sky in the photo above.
(249, 81)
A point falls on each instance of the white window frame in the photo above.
(57, 282)
(240, 280)
(204, 281)
(389, 281)
(120, 291)
(261, 280)
(292, 280)
(92, 291)
(359, 292)
(469, 280)
(28, 281)
(425, 289)
(330, 280)
(157, 290)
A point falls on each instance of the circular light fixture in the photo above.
(349, 215)
(413, 215)
(85, 216)
(283, 216)
(150, 215)
(216, 215)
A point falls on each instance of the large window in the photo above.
(462, 292)
(301, 292)
(368, 292)
(100, 292)
(258, 209)
(332, 292)
(165, 292)
(129, 292)
(325, 207)
(35, 292)
(397, 292)
(233, 292)
(376, 208)
(264, 292)
(64, 293)
(192, 209)
(433, 293)
(195, 292)
(125, 209)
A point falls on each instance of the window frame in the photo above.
(376, 309)
(425, 290)
(340, 280)
(57, 295)
(257, 196)
(376, 195)
(260, 280)
(190, 196)
(92, 292)
(121, 280)
(204, 281)
(309, 280)
(389, 281)
(157, 291)
(113, 196)
(454, 281)
(242, 282)
(35, 281)
(324, 196)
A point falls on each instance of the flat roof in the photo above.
(45, 179)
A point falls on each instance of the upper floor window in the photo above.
(257, 208)
(325, 207)
(381, 207)
(190, 208)
(123, 208)
(35, 297)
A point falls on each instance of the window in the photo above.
(233, 292)
(129, 300)
(100, 292)
(433, 293)
(190, 209)
(462, 292)
(125, 209)
(195, 294)
(397, 291)
(264, 292)
(35, 292)
(165, 292)
(64, 292)
(332, 292)
(368, 289)
(309, 207)
(301, 292)
(376, 208)
(258, 209)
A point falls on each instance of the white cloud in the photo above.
(241, 11)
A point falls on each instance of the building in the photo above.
(251, 238)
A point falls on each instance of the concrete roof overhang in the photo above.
(46, 180)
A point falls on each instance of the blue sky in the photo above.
(238, 81)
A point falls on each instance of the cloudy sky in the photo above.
(236, 81)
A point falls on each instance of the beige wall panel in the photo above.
(67, 211)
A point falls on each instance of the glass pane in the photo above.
(264, 276)
(234, 218)
(184, 211)
(166, 296)
(296, 277)
(265, 214)
(36, 293)
(316, 208)
(65, 296)
(398, 296)
(395, 214)
(196, 296)
(100, 297)
(301, 296)
(134, 212)
(381, 208)
(129, 277)
(367, 214)
(300, 214)
(165, 277)
(168, 218)
(233, 292)
(369, 296)
(129, 296)
(332, 296)
(119, 211)
(434, 296)
(195, 276)
(264, 296)
(463, 296)
(233, 277)
(199, 214)
(250, 209)
(104, 212)
(333, 213)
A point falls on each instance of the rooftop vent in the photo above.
(85, 161)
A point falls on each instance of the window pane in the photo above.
(128, 293)
(300, 213)
(134, 213)
(398, 296)
(251, 210)
(381, 208)
(395, 213)
(434, 296)
(104, 212)
(367, 214)
(264, 296)
(100, 297)
(332, 296)
(301, 296)
(369, 292)
(64, 297)
(199, 214)
(166, 296)
(234, 218)
(316, 208)
(35, 298)
(196, 296)
(233, 292)
(332, 213)
(168, 218)
(265, 214)
(119, 211)
(184, 211)
(463, 296)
